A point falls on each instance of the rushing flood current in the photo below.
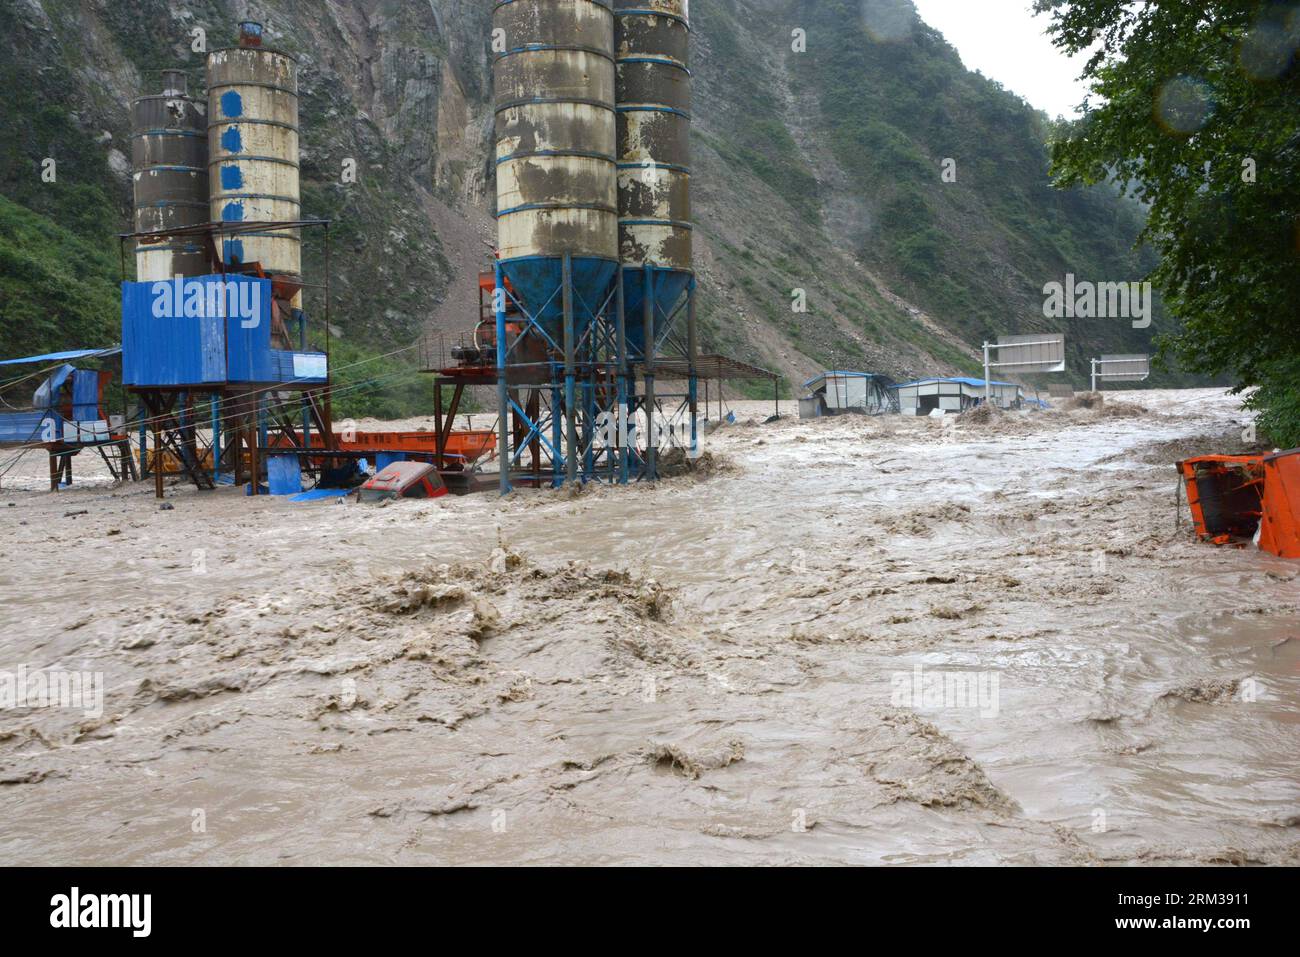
(848, 641)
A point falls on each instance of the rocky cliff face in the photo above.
(806, 179)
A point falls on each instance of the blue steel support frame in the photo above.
(215, 399)
(592, 375)
(650, 345)
(557, 437)
(660, 324)
(584, 383)
(503, 389)
(624, 453)
(570, 375)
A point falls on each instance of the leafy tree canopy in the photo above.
(1195, 110)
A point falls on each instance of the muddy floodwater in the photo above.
(848, 641)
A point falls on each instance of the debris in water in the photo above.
(691, 764)
(1086, 400)
(931, 771)
(1206, 691)
(676, 463)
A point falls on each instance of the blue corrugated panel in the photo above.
(174, 334)
(249, 335)
(299, 366)
(160, 348)
(282, 365)
(85, 396)
(21, 428)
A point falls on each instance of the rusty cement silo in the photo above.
(652, 49)
(253, 139)
(169, 159)
(555, 158)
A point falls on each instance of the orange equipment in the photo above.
(1233, 498)
(462, 449)
(468, 445)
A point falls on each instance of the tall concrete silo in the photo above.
(652, 48)
(253, 139)
(556, 138)
(169, 158)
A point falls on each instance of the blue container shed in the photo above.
(206, 332)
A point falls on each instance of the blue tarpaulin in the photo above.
(23, 427)
(320, 494)
(62, 356)
(47, 393)
(284, 475)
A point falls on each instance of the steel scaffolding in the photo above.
(581, 414)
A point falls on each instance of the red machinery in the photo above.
(403, 480)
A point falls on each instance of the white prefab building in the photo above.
(954, 395)
(833, 393)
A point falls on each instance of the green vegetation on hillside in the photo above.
(57, 290)
(60, 210)
(380, 387)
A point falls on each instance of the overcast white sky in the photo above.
(1005, 41)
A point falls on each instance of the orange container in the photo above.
(469, 445)
(1223, 494)
(1280, 526)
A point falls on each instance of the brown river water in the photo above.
(851, 641)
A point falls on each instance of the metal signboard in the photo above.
(1127, 368)
(1040, 352)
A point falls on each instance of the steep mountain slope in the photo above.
(826, 168)
(816, 171)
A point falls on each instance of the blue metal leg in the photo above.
(503, 393)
